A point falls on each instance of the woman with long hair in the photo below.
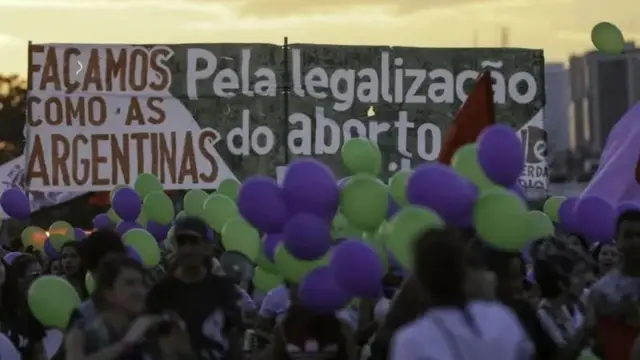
(73, 268)
(455, 326)
(558, 311)
(16, 319)
(121, 330)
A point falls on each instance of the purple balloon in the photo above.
(567, 215)
(627, 206)
(132, 253)
(320, 292)
(8, 259)
(158, 231)
(271, 242)
(50, 251)
(307, 236)
(15, 203)
(260, 202)
(125, 226)
(79, 234)
(102, 221)
(500, 154)
(127, 204)
(310, 187)
(357, 269)
(464, 221)
(438, 187)
(597, 219)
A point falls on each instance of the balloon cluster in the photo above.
(15, 203)
(337, 238)
(334, 238)
(592, 217)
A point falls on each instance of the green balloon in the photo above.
(113, 216)
(158, 207)
(607, 38)
(89, 283)
(265, 281)
(361, 156)
(539, 225)
(145, 244)
(292, 269)
(398, 186)
(586, 354)
(364, 202)
(238, 235)
(218, 209)
(403, 229)
(263, 262)
(52, 300)
(341, 229)
(33, 235)
(58, 240)
(499, 217)
(552, 207)
(382, 234)
(193, 202)
(381, 251)
(182, 214)
(142, 219)
(168, 241)
(62, 228)
(146, 184)
(465, 163)
(229, 188)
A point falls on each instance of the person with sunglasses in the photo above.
(16, 320)
(207, 303)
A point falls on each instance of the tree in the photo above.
(13, 104)
(13, 94)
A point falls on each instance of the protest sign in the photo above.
(200, 113)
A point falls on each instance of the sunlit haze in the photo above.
(560, 27)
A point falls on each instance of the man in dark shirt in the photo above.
(207, 303)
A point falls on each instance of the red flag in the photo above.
(476, 113)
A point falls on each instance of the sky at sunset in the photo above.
(560, 27)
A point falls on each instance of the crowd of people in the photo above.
(559, 299)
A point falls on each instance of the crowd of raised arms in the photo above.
(560, 299)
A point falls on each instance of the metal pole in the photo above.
(285, 101)
(27, 176)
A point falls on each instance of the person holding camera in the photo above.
(122, 331)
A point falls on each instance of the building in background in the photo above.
(603, 88)
(556, 78)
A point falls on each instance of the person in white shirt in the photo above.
(455, 328)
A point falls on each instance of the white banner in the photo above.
(94, 126)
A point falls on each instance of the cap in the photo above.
(190, 225)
